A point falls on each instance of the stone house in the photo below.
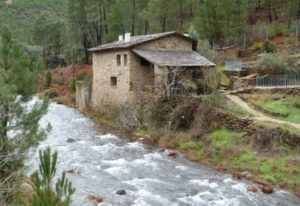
(134, 69)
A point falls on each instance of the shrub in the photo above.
(58, 80)
(269, 47)
(48, 78)
(72, 84)
(275, 64)
(201, 87)
(276, 29)
(51, 93)
(212, 78)
(44, 193)
(81, 76)
(190, 86)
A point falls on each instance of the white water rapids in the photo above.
(105, 163)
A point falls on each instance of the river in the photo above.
(105, 163)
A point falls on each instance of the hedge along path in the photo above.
(258, 116)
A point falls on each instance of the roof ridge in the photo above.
(135, 40)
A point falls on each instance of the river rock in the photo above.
(237, 175)
(245, 174)
(173, 154)
(268, 189)
(252, 188)
(121, 192)
(283, 185)
(250, 177)
(27, 187)
(70, 140)
(95, 198)
(297, 192)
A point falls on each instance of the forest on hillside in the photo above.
(67, 28)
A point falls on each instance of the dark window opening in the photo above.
(196, 74)
(113, 81)
(144, 62)
(118, 60)
(125, 59)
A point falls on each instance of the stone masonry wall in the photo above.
(104, 68)
(81, 96)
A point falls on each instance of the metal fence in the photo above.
(278, 80)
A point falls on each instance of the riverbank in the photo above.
(265, 154)
(102, 165)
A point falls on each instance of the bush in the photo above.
(81, 76)
(201, 87)
(212, 78)
(72, 85)
(275, 64)
(51, 93)
(58, 80)
(269, 47)
(190, 86)
(276, 29)
(44, 193)
(48, 78)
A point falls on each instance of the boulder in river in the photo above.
(245, 174)
(252, 188)
(173, 154)
(121, 192)
(70, 140)
(268, 189)
(96, 198)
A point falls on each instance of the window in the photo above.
(125, 59)
(144, 62)
(113, 81)
(118, 60)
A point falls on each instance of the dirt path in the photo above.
(258, 116)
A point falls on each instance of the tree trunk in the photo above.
(85, 43)
(3, 131)
(269, 7)
(133, 19)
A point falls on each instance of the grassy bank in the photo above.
(282, 103)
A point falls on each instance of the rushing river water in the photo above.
(105, 163)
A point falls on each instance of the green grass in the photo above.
(286, 104)
(223, 137)
(224, 78)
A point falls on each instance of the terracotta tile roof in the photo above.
(136, 40)
(173, 58)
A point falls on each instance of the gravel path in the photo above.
(258, 116)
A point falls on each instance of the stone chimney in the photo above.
(127, 37)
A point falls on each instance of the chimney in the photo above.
(120, 37)
(127, 37)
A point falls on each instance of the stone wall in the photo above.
(104, 68)
(141, 77)
(82, 96)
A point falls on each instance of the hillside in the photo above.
(20, 15)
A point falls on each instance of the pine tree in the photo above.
(19, 128)
(45, 195)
